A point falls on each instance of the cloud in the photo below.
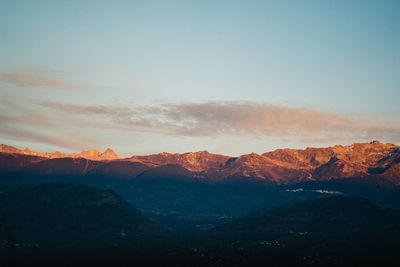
(253, 119)
(250, 124)
(24, 122)
(35, 80)
(20, 134)
(250, 118)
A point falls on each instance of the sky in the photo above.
(231, 77)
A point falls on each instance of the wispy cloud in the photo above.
(57, 140)
(35, 81)
(22, 122)
(236, 118)
(78, 127)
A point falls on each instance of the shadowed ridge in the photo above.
(168, 172)
(335, 216)
(61, 166)
(51, 217)
(15, 161)
(119, 169)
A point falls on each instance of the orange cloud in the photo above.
(35, 80)
(65, 141)
(237, 118)
(58, 123)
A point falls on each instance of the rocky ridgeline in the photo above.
(281, 166)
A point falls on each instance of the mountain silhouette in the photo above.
(282, 166)
(327, 231)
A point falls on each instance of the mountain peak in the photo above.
(90, 154)
(9, 149)
(94, 154)
(109, 154)
(375, 142)
(203, 152)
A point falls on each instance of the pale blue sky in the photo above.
(341, 57)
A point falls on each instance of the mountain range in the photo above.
(197, 209)
(91, 154)
(281, 166)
